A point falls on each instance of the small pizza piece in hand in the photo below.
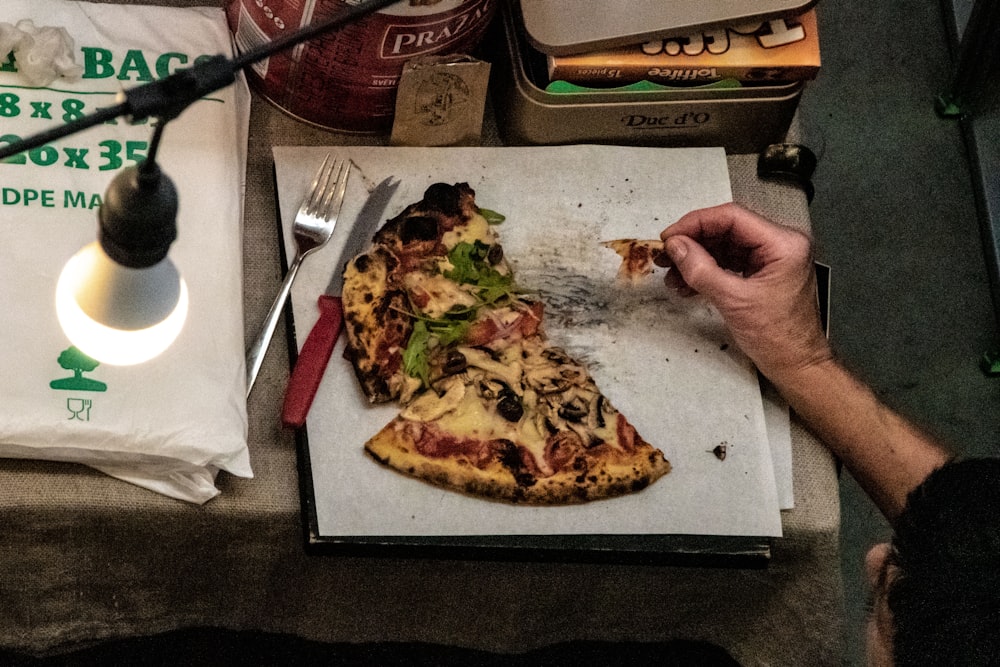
(638, 257)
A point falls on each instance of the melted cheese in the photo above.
(442, 294)
(478, 420)
(475, 418)
(476, 229)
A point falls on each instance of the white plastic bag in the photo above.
(172, 423)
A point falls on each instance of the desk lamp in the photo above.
(120, 299)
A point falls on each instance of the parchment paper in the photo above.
(665, 362)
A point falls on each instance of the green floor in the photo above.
(895, 216)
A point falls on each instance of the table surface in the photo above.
(86, 557)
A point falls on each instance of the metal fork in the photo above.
(312, 228)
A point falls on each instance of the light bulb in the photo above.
(119, 315)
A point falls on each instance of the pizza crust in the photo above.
(376, 325)
(502, 477)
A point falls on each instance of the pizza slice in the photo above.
(522, 422)
(490, 407)
(435, 271)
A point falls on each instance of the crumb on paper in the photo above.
(42, 54)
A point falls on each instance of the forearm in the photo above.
(887, 455)
(761, 278)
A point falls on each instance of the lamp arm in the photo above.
(168, 97)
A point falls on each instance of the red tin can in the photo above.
(347, 79)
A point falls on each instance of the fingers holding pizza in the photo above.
(758, 274)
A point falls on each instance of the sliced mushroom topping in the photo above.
(593, 399)
(508, 373)
(547, 384)
(574, 374)
(490, 352)
(586, 436)
(602, 405)
(574, 410)
(554, 372)
(557, 355)
(491, 388)
(430, 406)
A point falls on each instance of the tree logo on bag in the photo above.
(72, 359)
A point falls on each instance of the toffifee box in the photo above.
(758, 51)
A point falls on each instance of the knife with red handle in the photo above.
(310, 366)
(312, 361)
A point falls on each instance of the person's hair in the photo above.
(945, 595)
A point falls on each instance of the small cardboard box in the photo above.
(742, 119)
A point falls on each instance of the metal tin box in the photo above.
(742, 120)
(561, 27)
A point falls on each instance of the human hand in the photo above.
(760, 276)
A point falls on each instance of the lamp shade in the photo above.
(117, 314)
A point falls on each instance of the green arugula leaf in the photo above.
(415, 356)
(471, 267)
(431, 333)
(468, 260)
(492, 217)
(451, 331)
(494, 287)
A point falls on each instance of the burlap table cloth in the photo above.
(84, 557)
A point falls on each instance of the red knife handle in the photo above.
(312, 361)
